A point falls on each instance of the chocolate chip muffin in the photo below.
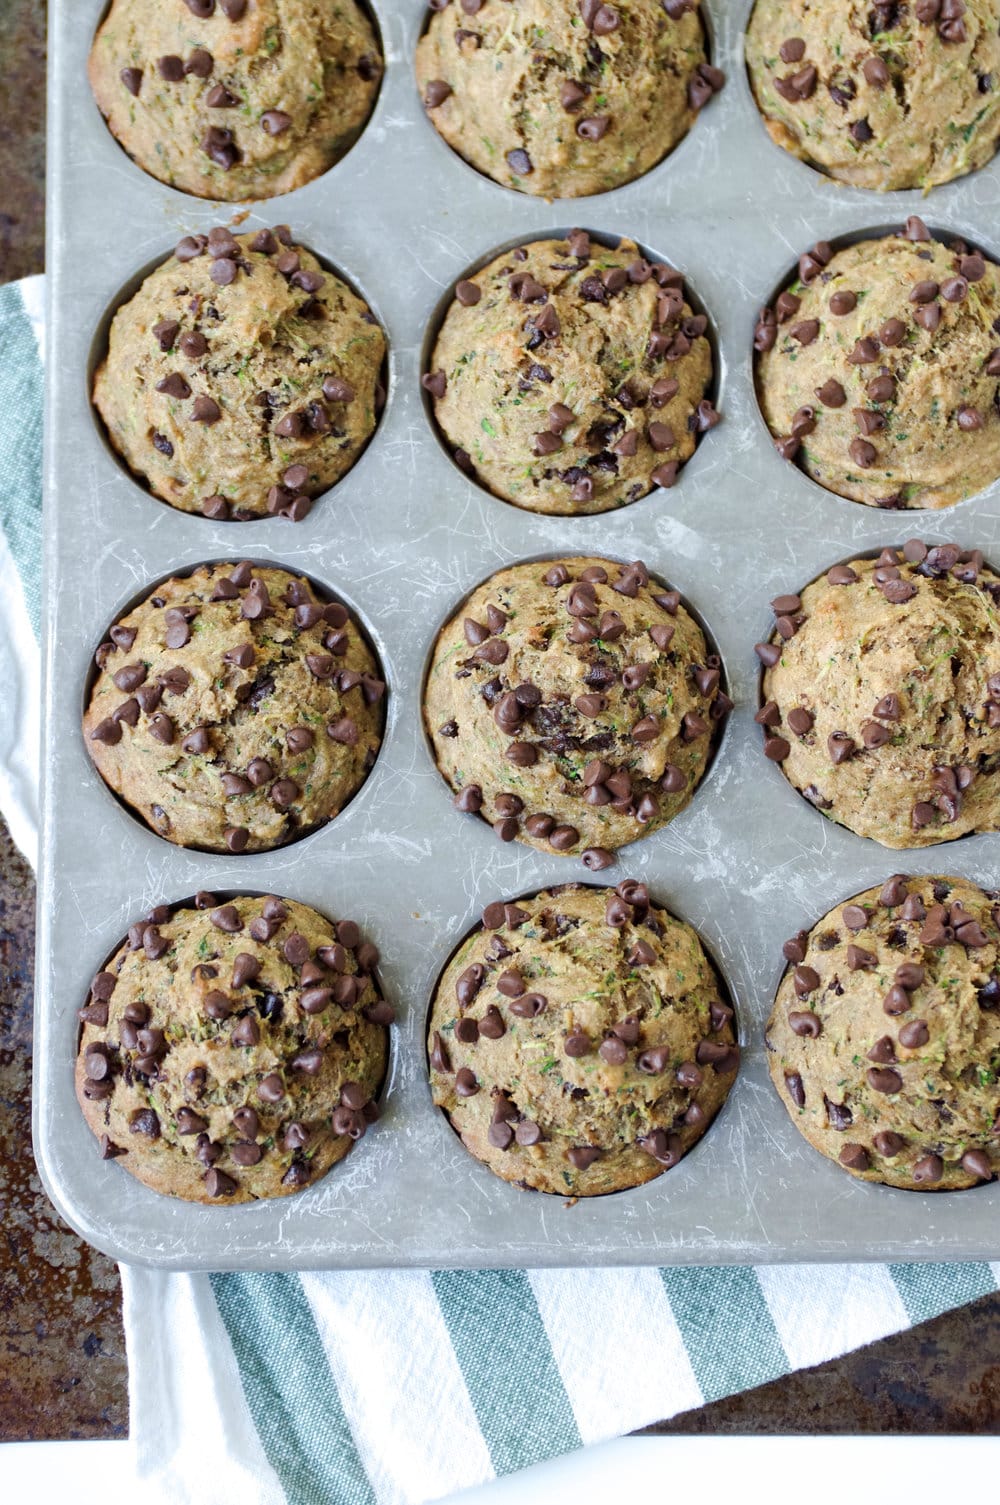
(881, 96)
(884, 1039)
(236, 99)
(580, 1041)
(563, 98)
(235, 709)
(241, 379)
(233, 1050)
(570, 377)
(881, 694)
(879, 369)
(573, 705)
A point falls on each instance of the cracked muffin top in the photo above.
(881, 694)
(580, 1041)
(881, 95)
(571, 377)
(242, 379)
(231, 1051)
(573, 704)
(884, 1039)
(234, 709)
(878, 369)
(235, 99)
(562, 98)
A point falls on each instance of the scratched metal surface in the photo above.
(402, 539)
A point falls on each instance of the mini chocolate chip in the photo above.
(439, 1058)
(873, 735)
(896, 1001)
(884, 1080)
(910, 975)
(855, 1157)
(862, 453)
(227, 918)
(888, 1144)
(613, 1051)
(978, 1164)
(875, 71)
(838, 1115)
(572, 94)
(914, 1034)
(805, 333)
(794, 1087)
(578, 1043)
(162, 728)
(205, 410)
(840, 746)
(792, 50)
(929, 1168)
(145, 1122)
(805, 980)
(466, 1084)
(593, 127)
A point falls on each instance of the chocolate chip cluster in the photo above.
(573, 705)
(235, 709)
(885, 1034)
(881, 694)
(579, 1040)
(571, 377)
(878, 367)
(233, 1049)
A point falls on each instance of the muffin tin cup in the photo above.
(326, 594)
(403, 538)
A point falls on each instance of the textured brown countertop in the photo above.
(62, 1372)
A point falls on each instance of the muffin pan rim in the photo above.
(412, 534)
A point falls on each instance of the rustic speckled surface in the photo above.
(62, 1358)
(62, 1373)
(22, 137)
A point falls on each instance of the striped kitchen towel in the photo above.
(398, 1387)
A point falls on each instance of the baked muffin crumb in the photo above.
(242, 379)
(233, 1049)
(563, 98)
(579, 1040)
(877, 369)
(235, 708)
(574, 705)
(885, 1034)
(242, 99)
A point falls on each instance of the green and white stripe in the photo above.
(398, 1387)
(20, 556)
(395, 1388)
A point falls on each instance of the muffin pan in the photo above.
(402, 539)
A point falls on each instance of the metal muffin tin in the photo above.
(402, 539)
